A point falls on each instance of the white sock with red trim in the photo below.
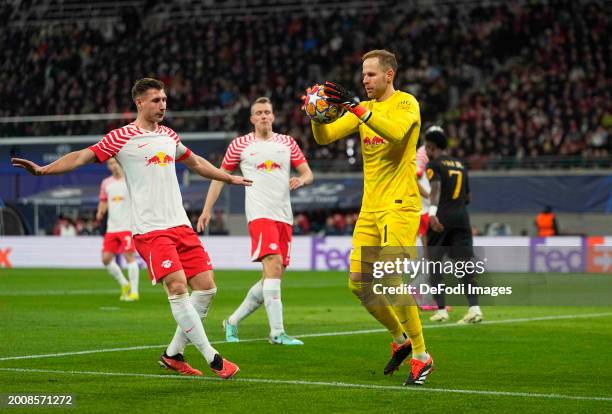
(274, 306)
(252, 301)
(201, 300)
(115, 271)
(190, 323)
(133, 274)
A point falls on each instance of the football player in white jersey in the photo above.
(266, 158)
(425, 302)
(147, 152)
(115, 200)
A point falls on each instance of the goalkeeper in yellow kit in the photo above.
(388, 126)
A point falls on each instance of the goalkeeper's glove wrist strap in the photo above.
(362, 112)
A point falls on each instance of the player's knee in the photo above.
(360, 289)
(107, 258)
(176, 287)
(354, 287)
(355, 277)
(273, 265)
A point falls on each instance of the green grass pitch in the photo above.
(523, 359)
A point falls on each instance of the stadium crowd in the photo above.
(507, 80)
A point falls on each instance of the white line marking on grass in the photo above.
(78, 292)
(320, 384)
(75, 292)
(315, 335)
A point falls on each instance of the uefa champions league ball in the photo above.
(318, 109)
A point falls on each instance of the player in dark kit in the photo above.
(450, 232)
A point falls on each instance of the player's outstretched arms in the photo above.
(62, 165)
(211, 198)
(202, 167)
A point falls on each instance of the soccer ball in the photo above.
(318, 109)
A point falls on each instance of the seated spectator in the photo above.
(301, 224)
(64, 227)
(330, 227)
(217, 224)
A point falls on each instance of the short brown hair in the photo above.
(387, 59)
(261, 100)
(144, 84)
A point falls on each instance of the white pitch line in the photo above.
(313, 335)
(320, 384)
(79, 292)
(75, 292)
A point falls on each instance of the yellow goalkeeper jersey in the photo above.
(388, 145)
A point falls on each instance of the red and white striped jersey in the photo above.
(147, 159)
(115, 192)
(422, 160)
(268, 163)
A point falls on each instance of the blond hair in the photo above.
(261, 100)
(387, 59)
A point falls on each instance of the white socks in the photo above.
(475, 309)
(133, 274)
(443, 312)
(274, 306)
(200, 300)
(190, 324)
(253, 300)
(115, 271)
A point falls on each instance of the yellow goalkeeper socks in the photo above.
(379, 308)
(406, 309)
(411, 322)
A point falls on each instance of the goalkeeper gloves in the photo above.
(339, 95)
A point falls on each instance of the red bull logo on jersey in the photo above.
(376, 140)
(117, 199)
(161, 158)
(268, 166)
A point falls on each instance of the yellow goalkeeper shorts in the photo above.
(384, 235)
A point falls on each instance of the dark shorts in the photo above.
(454, 242)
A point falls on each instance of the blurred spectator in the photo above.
(510, 81)
(64, 227)
(217, 224)
(89, 227)
(497, 229)
(339, 222)
(330, 227)
(351, 220)
(301, 224)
